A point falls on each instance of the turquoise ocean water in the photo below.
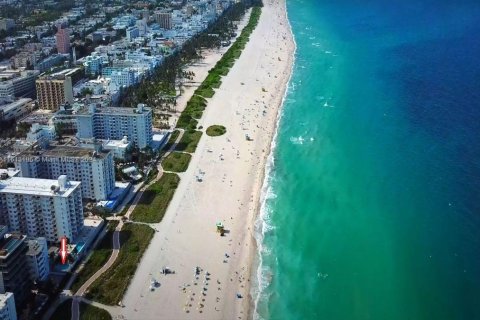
(372, 200)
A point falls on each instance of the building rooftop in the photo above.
(9, 243)
(4, 297)
(7, 106)
(141, 109)
(56, 151)
(60, 75)
(116, 143)
(38, 116)
(34, 247)
(9, 172)
(37, 187)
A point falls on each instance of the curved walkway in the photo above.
(116, 235)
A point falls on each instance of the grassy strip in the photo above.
(216, 130)
(171, 140)
(125, 209)
(110, 286)
(151, 175)
(97, 259)
(193, 111)
(176, 162)
(195, 106)
(63, 311)
(154, 202)
(89, 312)
(189, 141)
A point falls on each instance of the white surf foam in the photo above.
(263, 224)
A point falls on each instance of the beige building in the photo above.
(24, 59)
(164, 19)
(55, 90)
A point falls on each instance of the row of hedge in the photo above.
(188, 120)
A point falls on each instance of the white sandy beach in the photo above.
(247, 103)
(200, 70)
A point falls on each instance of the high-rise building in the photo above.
(63, 40)
(142, 26)
(116, 123)
(13, 267)
(17, 83)
(164, 19)
(7, 306)
(94, 168)
(42, 207)
(37, 259)
(132, 33)
(56, 89)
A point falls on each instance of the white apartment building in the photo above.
(42, 207)
(122, 77)
(7, 306)
(37, 259)
(132, 33)
(118, 147)
(115, 123)
(41, 133)
(11, 109)
(93, 64)
(17, 83)
(94, 168)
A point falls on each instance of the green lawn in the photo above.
(216, 130)
(176, 162)
(97, 259)
(110, 287)
(151, 175)
(154, 201)
(63, 311)
(89, 312)
(189, 141)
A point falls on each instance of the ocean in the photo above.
(372, 196)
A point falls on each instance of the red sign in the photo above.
(63, 249)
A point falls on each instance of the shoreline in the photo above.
(268, 163)
(249, 102)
